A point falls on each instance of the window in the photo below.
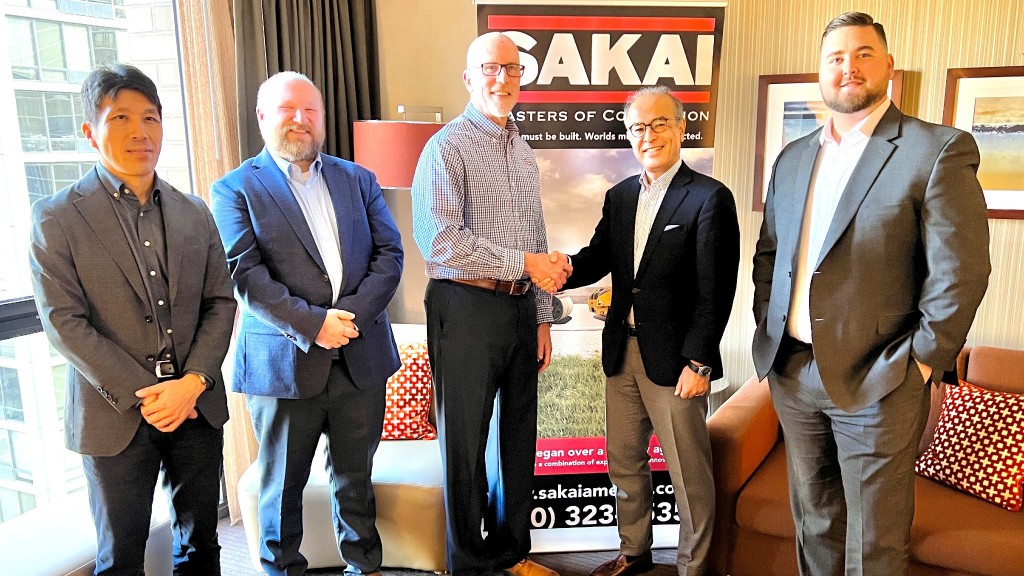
(13, 467)
(45, 179)
(54, 51)
(10, 396)
(51, 122)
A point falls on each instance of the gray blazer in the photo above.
(93, 307)
(904, 264)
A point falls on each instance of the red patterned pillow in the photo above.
(979, 445)
(407, 405)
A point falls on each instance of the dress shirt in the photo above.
(476, 203)
(310, 191)
(834, 165)
(652, 193)
(143, 228)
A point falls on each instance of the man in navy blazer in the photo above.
(670, 239)
(316, 258)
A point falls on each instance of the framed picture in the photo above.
(989, 103)
(790, 106)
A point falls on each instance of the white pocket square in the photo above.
(671, 227)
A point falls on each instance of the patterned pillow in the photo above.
(407, 405)
(979, 445)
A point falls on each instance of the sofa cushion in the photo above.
(763, 504)
(978, 446)
(409, 395)
(963, 534)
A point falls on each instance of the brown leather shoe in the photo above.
(625, 566)
(527, 567)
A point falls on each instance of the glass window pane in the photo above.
(104, 45)
(40, 182)
(23, 54)
(10, 395)
(31, 121)
(60, 383)
(76, 44)
(60, 121)
(50, 49)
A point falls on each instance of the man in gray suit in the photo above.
(871, 264)
(132, 287)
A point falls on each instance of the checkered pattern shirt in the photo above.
(476, 203)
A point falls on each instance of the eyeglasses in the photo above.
(493, 69)
(658, 125)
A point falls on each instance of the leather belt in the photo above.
(631, 331)
(510, 287)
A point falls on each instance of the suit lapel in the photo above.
(789, 222)
(342, 197)
(98, 212)
(176, 229)
(674, 196)
(876, 154)
(268, 173)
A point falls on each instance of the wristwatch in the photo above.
(206, 381)
(702, 371)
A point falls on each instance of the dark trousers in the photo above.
(483, 346)
(851, 474)
(121, 498)
(288, 432)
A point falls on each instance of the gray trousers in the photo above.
(636, 408)
(851, 475)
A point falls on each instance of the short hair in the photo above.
(658, 89)
(279, 79)
(855, 19)
(107, 81)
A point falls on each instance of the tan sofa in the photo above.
(953, 533)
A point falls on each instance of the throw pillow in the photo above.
(407, 404)
(979, 445)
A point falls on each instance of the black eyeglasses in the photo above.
(493, 69)
(658, 125)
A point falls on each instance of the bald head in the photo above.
(494, 96)
(483, 47)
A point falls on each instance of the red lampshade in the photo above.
(391, 149)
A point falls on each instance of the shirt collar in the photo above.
(861, 131)
(115, 187)
(487, 126)
(286, 167)
(661, 183)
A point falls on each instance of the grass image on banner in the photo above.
(570, 398)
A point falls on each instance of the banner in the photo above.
(581, 63)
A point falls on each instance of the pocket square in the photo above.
(671, 227)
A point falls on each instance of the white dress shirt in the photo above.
(652, 193)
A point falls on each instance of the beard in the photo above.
(855, 102)
(292, 150)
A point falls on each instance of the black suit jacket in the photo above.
(683, 290)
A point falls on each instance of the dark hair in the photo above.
(107, 81)
(657, 89)
(855, 19)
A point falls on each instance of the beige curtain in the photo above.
(208, 61)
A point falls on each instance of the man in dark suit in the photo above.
(315, 257)
(872, 261)
(131, 287)
(670, 239)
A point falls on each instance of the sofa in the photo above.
(954, 533)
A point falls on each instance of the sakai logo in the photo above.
(610, 53)
(563, 60)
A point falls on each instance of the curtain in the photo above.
(333, 42)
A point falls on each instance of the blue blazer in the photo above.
(282, 282)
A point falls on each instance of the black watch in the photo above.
(702, 371)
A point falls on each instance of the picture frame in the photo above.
(790, 106)
(989, 103)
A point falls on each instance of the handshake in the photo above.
(548, 271)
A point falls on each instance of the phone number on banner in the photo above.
(580, 500)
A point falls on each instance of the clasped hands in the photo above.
(548, 271)
(339, 329)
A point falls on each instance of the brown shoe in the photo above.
(527, 567)
(624, 565)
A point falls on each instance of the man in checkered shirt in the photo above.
(477, 219)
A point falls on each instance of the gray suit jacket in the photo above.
(904, 263)
(93, 307)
